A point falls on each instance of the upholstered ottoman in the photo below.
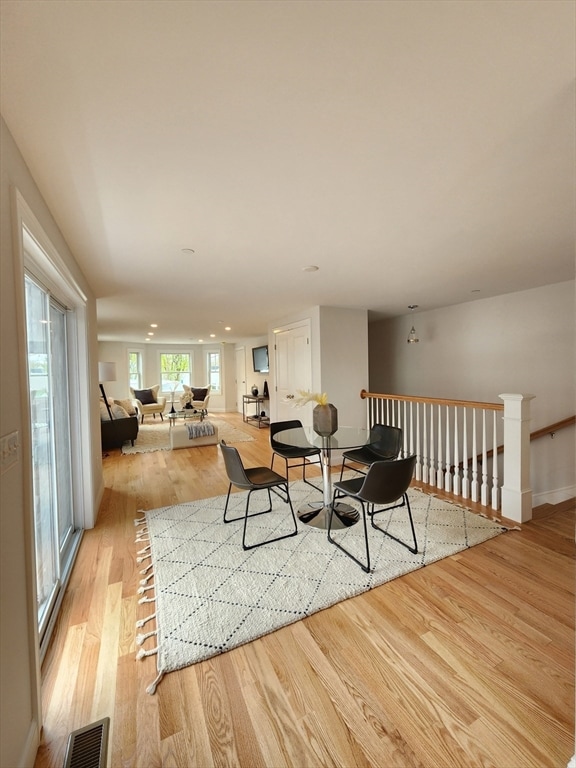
(179, 436)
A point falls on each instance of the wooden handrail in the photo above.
(533, 436)
(553, 428)
(434, 400)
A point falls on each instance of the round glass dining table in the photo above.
(317, 513)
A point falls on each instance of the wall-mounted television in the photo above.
(260, 359)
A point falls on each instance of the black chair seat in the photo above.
(253, 479)
(385, 483)
(384, 444)
(289, 452)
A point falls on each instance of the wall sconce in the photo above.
(412, 338)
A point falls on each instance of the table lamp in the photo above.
(106, 372)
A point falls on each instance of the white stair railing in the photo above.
(456, 443)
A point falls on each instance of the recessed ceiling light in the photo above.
(146, 339)
(150, 333)
(200, 341)
(310, 268)
(212, 335)
(187, 250)
(153, 325)
(227, 328)
(412, 306)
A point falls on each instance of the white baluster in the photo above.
(432, 475)
(474, 458)
(418, 450)
(484, 486)
(457, 479)
(495, 484)
(440, 469)
(425, 446)
(465, 471)
(448, 473)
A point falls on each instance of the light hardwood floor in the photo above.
(467, 662)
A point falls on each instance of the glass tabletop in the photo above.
(304, 437)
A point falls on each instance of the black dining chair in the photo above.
(384, 444)
(385, 483)
(289, 453)
(254, 479)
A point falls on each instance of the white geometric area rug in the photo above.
(211, 596)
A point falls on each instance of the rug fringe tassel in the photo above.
(143, 537)
(141, 551)
(147, 579)
(146, 600)
(142, 622)
(143, 571)
(140, 639)
(139, 520)
(143, 557)
(141, 590)
(151, 689)
(142, 654)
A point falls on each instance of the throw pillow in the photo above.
(146, 396)
(118, 412)
(199, 394)
(128, 406)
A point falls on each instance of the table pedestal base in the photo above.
(317, 515)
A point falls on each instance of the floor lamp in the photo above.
(106, 372)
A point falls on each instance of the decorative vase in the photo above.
(265, 392)
(255, 391)
(325, 420)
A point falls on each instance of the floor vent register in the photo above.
(88, 746)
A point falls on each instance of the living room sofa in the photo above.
(118, 431)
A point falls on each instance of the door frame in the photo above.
(35, 253)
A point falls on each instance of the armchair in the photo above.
(148, 401)
(198, 398)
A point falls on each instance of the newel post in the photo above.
(517, 491)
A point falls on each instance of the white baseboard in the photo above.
(28, 756)
(554, 497)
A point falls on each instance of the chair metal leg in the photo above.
(241, 517)
(255, 514)
(366, 567)
(405, 502)
(294, 466)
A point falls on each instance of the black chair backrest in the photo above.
(387, 481)
(386, 440)
(234, 467)
(280, 426)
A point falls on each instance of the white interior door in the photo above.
(240, 377)
(293, 371)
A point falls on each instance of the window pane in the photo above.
(135, 369)
(214, 371)
(175, 370)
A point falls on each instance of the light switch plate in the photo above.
(9, 450)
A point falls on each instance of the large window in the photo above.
(135, 369)
(175, 370)
(214, 372)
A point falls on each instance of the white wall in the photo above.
(339, 341)
(521, 342)
(20, 674)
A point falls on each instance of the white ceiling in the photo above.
(417, 152)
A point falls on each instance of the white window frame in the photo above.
(190, 357)
(140, 362)
(208, 353)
